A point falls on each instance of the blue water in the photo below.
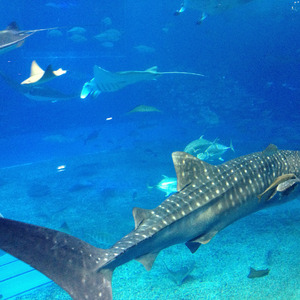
(250, 94)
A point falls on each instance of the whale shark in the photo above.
(209, 7)
(12, 37)
(209, 198)
(38, 93)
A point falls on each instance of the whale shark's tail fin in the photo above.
(74, 265)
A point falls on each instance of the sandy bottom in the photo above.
(98, 191)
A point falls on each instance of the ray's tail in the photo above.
(74, 265)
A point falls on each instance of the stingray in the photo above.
(257, 273)
(12, 37)
(209, 7)
(180, 275)
(106, 81)
(38, 93)
(38, 75)
(144, 108)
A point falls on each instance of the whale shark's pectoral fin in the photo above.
(194, 244)
(147, 260)
(281, 184)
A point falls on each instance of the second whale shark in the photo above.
(209, 198)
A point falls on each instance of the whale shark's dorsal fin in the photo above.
(270, 150)
(189, 168)
(139, 215)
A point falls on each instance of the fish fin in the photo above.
(20, 43)
(147, 260)
(280, 184)
(50, 74)
(149, 187)
(13, 26)
(59, 72)
(179, 11)
(35, 69)
(194, 244)
(189, 168)
(73, 264)
(140, 214)
(231, 146)
(270, 150)
(258, 273)
(152, 69)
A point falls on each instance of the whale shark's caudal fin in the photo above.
(73, 264)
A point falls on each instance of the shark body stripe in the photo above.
(209, 198)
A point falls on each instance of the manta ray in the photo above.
(38, 75)
(209, 7)
(106, 81)
(12, 37)
(38, 93)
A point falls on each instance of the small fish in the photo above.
(54, 33)
(168, 185)
(144, 49)
(92, 136)
(77, 30)
(257, 273)
(197, 146)
(77, 38)
(144, 108)
(209, 7)
(214, 152)
(109, 35)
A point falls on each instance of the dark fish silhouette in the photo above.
(12, 37)
(257, 273)
(209, 198)
(181, 274)
(38, 93)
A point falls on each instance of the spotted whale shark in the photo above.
(209, 198)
